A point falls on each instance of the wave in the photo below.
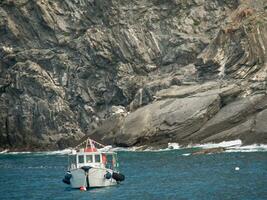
(248, 148)
(134, 149)
(8, 166)
(186, 154)
(173, 146)
(59, 152)
(231, 146)
(225, 144)
(15, 152)
(5, 151)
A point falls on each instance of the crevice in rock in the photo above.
(7, 133)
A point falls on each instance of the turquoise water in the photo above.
(149, 175)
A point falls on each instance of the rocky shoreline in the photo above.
(132, 73)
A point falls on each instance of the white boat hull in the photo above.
(96, 178)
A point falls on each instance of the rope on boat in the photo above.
(91, 142)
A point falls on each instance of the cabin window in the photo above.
(104, 159)
(109, 161)
(97, 158)
(81, 159)
(89, 158)
(115, 161)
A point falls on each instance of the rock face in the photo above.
(132, 72)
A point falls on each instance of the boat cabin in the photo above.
(94, 158)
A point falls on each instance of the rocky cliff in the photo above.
(144, 72)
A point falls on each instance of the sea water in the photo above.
(158, 175)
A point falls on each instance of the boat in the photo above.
(92, 165)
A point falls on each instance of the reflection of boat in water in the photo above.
(92, 167)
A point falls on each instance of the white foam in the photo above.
(156, 150)
(59, 152)
(139, 149)
(15, 153)
(106, 148)
(173, 146)
(248, 148)
(231, 146)
(186, 154)
(226, 144)
(125, 148)
(5, 151)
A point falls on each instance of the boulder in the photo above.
(167, 119)
(233, 121)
